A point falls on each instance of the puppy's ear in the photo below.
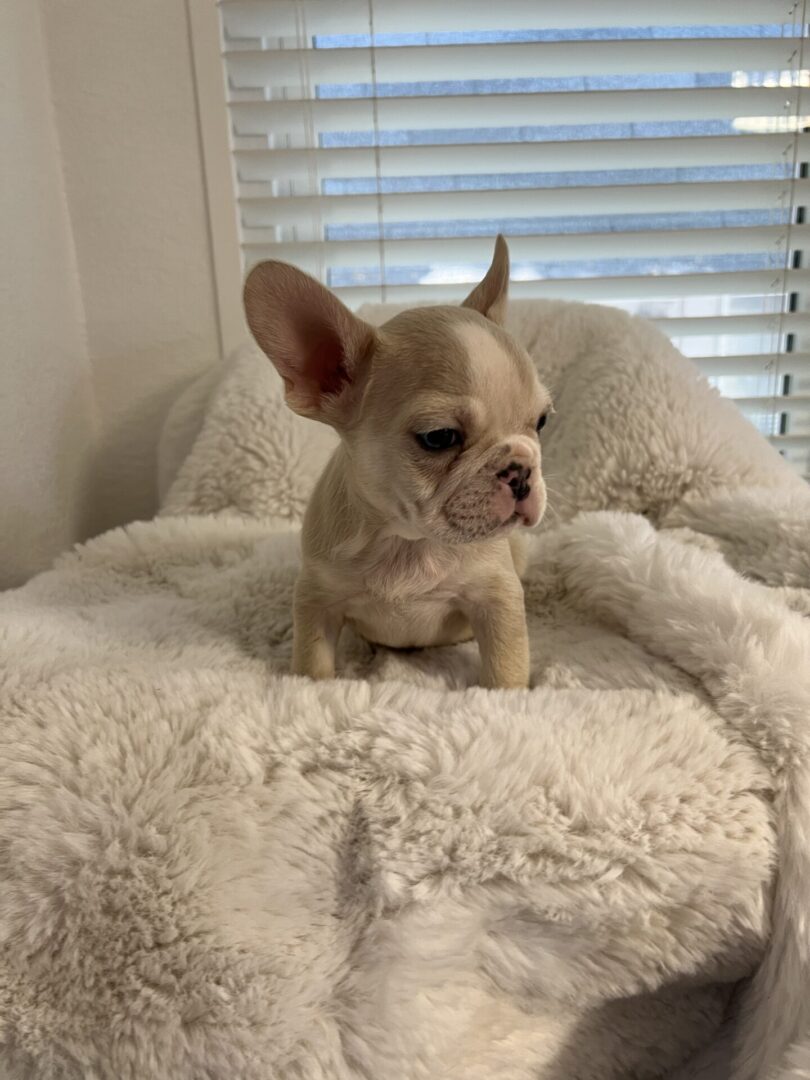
(321, 350)
(490, 296)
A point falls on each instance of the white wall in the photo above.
(106, 283)
(122, 80)
(46, 399)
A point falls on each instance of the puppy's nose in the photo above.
(517, 477)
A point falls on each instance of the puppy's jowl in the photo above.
(410, 534)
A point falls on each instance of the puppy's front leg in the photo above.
(498, 618)
(316, 629)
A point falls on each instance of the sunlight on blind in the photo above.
(656, 163)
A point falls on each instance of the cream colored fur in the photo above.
(407, 545)
(212, 869)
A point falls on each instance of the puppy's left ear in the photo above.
(491, 295)
(321, 350)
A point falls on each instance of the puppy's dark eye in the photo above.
(541, 423)
(440, 439)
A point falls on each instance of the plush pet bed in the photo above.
(211, 869)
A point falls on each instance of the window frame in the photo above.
(217, 161)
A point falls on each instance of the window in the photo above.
(657, 163)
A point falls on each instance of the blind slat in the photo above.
(510, 60)
(301, 165)
(784, 363)
(736, 324)
(294, 118)
(799, 405)
(600, 290)
(263, 209)
(802, 441)
(286, 18)
(477, 251)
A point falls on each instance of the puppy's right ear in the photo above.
(321, 350)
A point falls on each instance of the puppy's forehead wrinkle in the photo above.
(419, 348)
(437, 318)
(501, 373)
(452, 353)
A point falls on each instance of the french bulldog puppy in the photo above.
(409, 535)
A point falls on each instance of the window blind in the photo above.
(649, 156)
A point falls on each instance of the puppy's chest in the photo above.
(407, 599)
(401, 624)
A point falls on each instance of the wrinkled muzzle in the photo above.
(506, 489)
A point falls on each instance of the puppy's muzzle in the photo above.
(517, 495)
(517, 477)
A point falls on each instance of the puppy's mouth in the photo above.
(526, 508)
(477, 515)
(467, 531)
(517, 519)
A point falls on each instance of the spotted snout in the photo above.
(506, 489)
(517, 478)
(519, 493)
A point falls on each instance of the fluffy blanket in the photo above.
(213, 869)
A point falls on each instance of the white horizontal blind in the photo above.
(646, 155)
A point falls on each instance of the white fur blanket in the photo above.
(211, 869)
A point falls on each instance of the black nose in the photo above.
(517, 476)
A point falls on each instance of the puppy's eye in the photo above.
(440, 439)
(541, 423)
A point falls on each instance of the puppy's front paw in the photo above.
(314, 657)
(316, 629)
(314, 670)
(499, 622)
(511, 680)
(508, 668)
